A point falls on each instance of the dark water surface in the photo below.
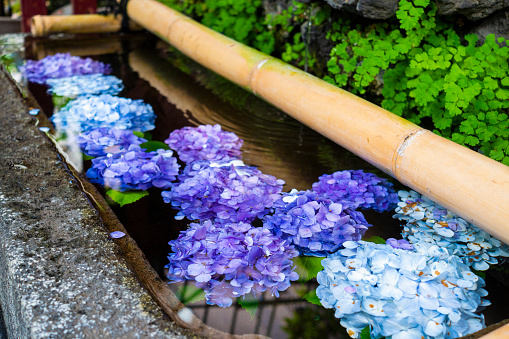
(277, 144)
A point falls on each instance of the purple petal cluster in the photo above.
(399, 243)
(90, 84)
(86, 113)
(429, 222)
(231, 260)
(424, 293)
(61, 65)
(101, 141)
(314, 224)
(205, 142)
(355, 189)
(134, 169)
(225, 191)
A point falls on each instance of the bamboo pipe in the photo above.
(43, 25)
(467, 183)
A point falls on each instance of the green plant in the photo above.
(429, 75)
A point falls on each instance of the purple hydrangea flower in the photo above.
(101, 141)
(314, 224)
(426, 292)
(357, 189)
(61, 65)
(205, 142)
(429, 222)
(226, 191)
(399, 243)
(90, 84)
(231, 260)
(86, 113)
(134, 169)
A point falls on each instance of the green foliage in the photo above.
(428, 73)
(237, 19)
(250, 304)
(124, 198)
(376, 239)
(189, 294)
(154, 145)
(312, 298)
(307, 267)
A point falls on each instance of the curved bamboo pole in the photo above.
(468, 183)
(43, 25)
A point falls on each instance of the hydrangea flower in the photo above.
(314, 224)
(91, 84)
(424, 293)
(399, 243)
(205, 142)
(86, 113)
(231, 260)
(61, 65)
(101, 141)
(227, 191)
(134, 169)
(429, 222)
(357, 189)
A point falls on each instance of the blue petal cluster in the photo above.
(61, 65)
(231, 260)
(205, 142)
(92, 84)
(86, 113)
(314, 224)
(354, 189)
(426, 293)
(226, 191)
(101, 141)
(134, 169)
(429, 222)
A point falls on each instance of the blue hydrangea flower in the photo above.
(399, 243)
(205, 142)
(61, 65)
(134, 169)
(231, 260)
(429, 222)
(86, 113)
(91, 84)
(226, 191)
(399, 293)
(315, 225)
(101, 141)
(354, 189)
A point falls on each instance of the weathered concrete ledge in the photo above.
(60, 274)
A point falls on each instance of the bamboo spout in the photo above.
(43, 25)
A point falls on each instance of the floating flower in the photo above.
(101, 141)
(91, 84)
(400, 293)
(314, 224)
(86, 113)
(429, 222)
(356, 189)
(61, 65)
(134, 169)
(399, 243)
(226, 191)
(231, 260)
(205, 142)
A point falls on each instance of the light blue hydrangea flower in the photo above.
(86, 113)
(92, 84)
(429, 222)
(400, 293)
